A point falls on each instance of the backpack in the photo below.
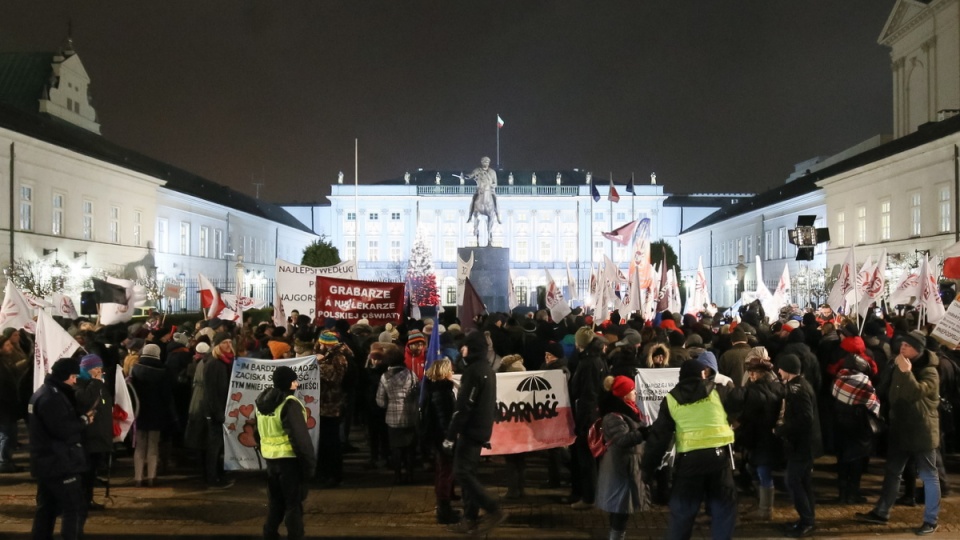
(595, 439)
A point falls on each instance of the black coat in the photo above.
(586, 386)
(56, 432)
(758, 404)
(154, 388)
(476, 406)
(438, 405)
(800, 430)
(93, 394)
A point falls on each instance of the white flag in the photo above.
(907, 287)
(844, 284)
(930, 300)
(674, 303)
(873, 284)
(554, 300)
(511, 293)
(242, 303)
(120, 313)
(124, 403)
(781, 294)
(701, 296)
(572, 287)
(63, 306)
(16, 312)
(53, 343)
(279, 314)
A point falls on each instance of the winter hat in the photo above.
(789, 363)
(415, 336)
(757, 353)
(364, 321)
(554, 348)
(708, 360)
(283, 377)
(181, 338)
(385, 337)
(691, 369)
(584, 337)
(738, 335)
(218, 338)
(630, 337)
(693, 340)
(328, 338)
(203, 348)
(915, 339)
(150, 351)
(512, 362)
(622, 386)
(853, 344)
(64, 368)
(476, 343)
(454, 328)
(759, 364)
(91, 361)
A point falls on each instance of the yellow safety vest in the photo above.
(274, 441)
(702, 424)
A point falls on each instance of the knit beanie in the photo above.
(64, 368)
(916, 339)
(622, 386)
(150, 351)
(91, 361)
(218, 338)
(554, 348)
(789, 363)
(584, 337)
(329, 339)
(283, 377)
(415, 336)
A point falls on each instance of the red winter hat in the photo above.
(853, 344)
(622, 386)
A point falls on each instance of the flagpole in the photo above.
(578, 250)
(356, 201)
(610, 200)
(498, 141)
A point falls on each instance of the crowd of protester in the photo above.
(773, 395)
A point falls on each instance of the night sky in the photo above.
(712, 96)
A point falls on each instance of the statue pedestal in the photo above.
(490, 275)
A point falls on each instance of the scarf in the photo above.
(854, 388)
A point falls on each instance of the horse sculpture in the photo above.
(484, 201)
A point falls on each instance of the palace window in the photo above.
(885, 220)
(204, 246)
(185, 238)
(115, 224)
(861, 224)
(915, 218)
(56, 225)
(87, 220)
(943, 197)
(26, 208)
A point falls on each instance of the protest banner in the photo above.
(296, 283)
(353, 300)
(652, 386)
(533, 413)
(248, 378)
(947, 330)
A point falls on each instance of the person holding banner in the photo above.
(703, 467)
(285, 444)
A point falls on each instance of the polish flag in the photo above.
(499, 122)
(210, 298)
(612, 195)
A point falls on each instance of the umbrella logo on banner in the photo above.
(533, 384)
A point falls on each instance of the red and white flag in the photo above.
(701, 296)
(210, 298)
(951, 261)
(781, 294)
(16, 311)
(122, 407)
(622, 234)
(511, 292)
(113, 313)
(640, 263)
(612, 194)
(279, 314)
(499, 122)
(907, 287)
(53, 343)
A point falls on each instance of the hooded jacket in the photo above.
(476, 406)
(155, 391)
(914, 399)
(56, 432)
(294, 425)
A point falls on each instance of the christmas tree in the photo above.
(421, 280)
